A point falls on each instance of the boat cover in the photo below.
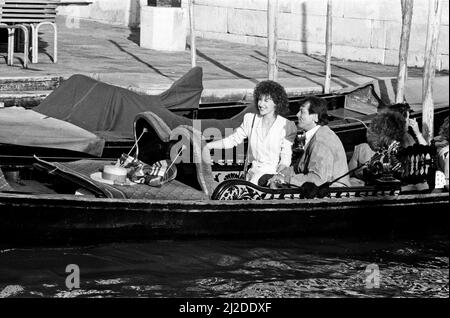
(24, 127)
(98, 106)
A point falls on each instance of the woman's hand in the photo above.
(414, 125)
(282, 168)
(206, 155)
(275, 181)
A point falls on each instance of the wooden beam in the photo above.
(407, 12)
(328, 48)
(192, 32)
(434, 22)
(272, 30)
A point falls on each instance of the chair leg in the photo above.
(35, 42)
(10, 61)
(55, 43)
(25, 45)
(35, 39)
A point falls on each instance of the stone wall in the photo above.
(115, 12)
(363, 30)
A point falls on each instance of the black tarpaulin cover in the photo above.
(98, 106)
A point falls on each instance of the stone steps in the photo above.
(26, 92)
(21, 84)
(26, 99)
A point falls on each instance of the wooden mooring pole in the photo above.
(192, 33)
(328, 44)
(272, 30)
(434, 22)
(407, 12)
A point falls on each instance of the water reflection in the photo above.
(213, 268)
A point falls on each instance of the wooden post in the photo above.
(328, 43)
(192, 32)
(272, 29)
(434, 23)
(407, 12)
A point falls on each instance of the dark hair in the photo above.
(276, 92)
(384, 129)
(443, 130)
(317, 105)
(401, 108)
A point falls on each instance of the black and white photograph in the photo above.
(224, 157)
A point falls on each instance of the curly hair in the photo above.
(401, 108)
(384, 129)
(317, 105)
(443, 130)
(276, 92)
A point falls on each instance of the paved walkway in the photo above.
(230, 70)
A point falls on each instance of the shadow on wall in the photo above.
(135, 35)
(135, 20)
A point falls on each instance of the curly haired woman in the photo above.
(270, 135)
(413, 134)
(385, 128)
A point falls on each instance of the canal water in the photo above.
(319, 267)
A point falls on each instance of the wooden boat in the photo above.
(57, 202)
(34, 219)
(50, 199)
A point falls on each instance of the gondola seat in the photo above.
(419, 163)
(159, 135)
(416, 165)
(238, 189)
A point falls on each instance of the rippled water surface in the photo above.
(215, 268)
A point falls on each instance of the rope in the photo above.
(359, 120)
(58, 158)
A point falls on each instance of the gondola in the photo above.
(61, 202)
(108, 111)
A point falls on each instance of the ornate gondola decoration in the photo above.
(386, 173)
(238, 189)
